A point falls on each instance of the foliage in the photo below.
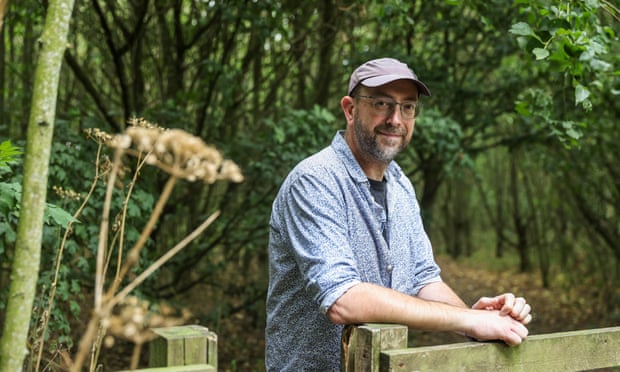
(9, 204)
(55, 218)
(10, 194)
(8, 152)
(309, 130)
(441, 136)
(570, 39)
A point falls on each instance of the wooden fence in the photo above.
(383, 347)
(189, 348)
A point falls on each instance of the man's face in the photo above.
(378, 136)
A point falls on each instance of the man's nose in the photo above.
(396, 116)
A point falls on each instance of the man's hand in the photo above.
(491, 325)
(507, 304)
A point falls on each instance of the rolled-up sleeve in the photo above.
(313, 216)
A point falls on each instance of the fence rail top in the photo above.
(562, 351)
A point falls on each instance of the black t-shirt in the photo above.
(378, 189)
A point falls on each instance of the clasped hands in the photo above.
(507, 320)
(507, 304)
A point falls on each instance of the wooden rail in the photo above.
(383, 347)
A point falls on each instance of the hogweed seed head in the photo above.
(98, 135)
(176, 152)
(66, 194)
(133, 319)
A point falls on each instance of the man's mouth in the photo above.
(390, 132)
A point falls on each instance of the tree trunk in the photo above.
(25, 266)
(521, 225)
(3, 4)
(27, 72)
(2, 58)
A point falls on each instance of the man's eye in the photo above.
(409, 106)
(382, 104)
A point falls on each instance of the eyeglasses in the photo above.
(386, 106)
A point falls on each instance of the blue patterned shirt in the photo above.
(326, 235)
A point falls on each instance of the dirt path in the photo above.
(553, 310)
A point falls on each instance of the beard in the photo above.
(368, 140)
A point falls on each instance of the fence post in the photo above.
(362, 345)
(182, 346)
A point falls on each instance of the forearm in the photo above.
(368, 303)
(441, 292)
(441, 311)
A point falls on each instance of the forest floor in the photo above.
(555, 309)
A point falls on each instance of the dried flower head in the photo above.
(133, 320)
(66, 194)
(176, 152)
(143, 123)
(98, 135)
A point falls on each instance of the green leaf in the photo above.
(522, 108)
(58, 215)
(600, 65)
(581, 94)
(540, 53)
(10, 194)
(573, 133)
(8, 152)
(522, 28)
(8, 233)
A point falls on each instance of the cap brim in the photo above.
(384, 79)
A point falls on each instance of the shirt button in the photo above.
(389, 268)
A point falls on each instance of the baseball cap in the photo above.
(381, 71)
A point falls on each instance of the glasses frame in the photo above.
(391, 106)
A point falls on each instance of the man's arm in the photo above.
(369, 303)
(440, 292)
(507, 303)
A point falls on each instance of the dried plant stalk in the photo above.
(182, 156)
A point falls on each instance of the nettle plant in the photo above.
(10, 196)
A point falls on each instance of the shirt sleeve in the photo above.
(315, 216)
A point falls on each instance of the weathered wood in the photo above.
(564, 351)
(361, 345)
(189, 368)
(212, 349)
(183, 346)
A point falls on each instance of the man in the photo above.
(347, 244)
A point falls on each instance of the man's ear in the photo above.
(348, 104)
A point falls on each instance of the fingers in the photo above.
(508, 304)
(485, 303)
(513, 339)
(517, 308)
(522, 312)
(517, 335)
(508, 300)
(494, 326)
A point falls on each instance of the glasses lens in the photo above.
(385, 106)
(408, 109)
